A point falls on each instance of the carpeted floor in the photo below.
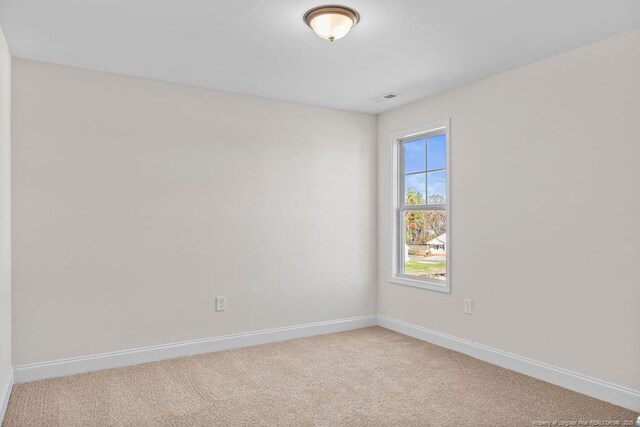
(366, 377)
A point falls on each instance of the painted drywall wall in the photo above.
(545, 205)
(137, 202)
(5, 219)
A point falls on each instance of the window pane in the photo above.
(414, 156)
(436, 152)
(425, 248)
(415, 187)
(436, 188)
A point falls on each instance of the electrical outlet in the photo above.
(468, 306)
(221, 303)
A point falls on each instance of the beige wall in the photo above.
(137, 202)
(5, 216)
(545, 212)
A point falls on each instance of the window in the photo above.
(421, 229)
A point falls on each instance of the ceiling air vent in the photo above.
(385, 97)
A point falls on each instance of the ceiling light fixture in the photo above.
(331, 22)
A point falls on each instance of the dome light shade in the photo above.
(331, 22)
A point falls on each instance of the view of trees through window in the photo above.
(425, 244)
(425, 215)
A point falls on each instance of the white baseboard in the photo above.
(97, 362)
(618, 395)
(602, 390)
(4, 398)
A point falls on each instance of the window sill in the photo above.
(422, 284)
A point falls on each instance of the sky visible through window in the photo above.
(424, 164)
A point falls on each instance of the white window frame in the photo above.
(398, 208)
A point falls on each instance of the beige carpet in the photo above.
(366, 377)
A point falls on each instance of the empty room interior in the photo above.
(297, 213)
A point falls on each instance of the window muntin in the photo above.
(422, 220)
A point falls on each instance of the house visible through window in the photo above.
(421, 223)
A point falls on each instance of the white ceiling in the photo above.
(262, 47)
